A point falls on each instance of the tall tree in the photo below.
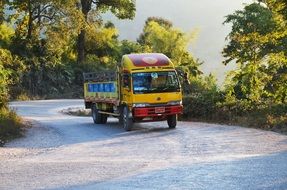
(257, 43)
(277, 87)
(35, 16)
(164, 23)
(102, 45)
(245, 39)
(159, 35)
(43, 33)
(123, 9)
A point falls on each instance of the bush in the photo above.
(10, 125)
(200, 105)
(201, 98)
(265, 115)
(206, 102)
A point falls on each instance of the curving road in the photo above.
(68, 152)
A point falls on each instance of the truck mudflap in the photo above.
(156, 111)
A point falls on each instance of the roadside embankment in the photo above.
(11, 125)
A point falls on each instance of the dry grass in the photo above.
(11, 125)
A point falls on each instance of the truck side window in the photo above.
(126, 81)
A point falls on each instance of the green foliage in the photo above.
(10, 125)
(257, 43)
(247, 40)
(102, 42)
(33, 17)
(2, 7)
(170, 41)
(255, 93)
(41, 43)
(6, 34)
(265, 115)
(10, 69)
(201, 101)
(3, 86)
(127, 47)
(279, 7)
(160, 21)
(9, 122)
(160, 36)
(276, 87)
(122, 9)
(5, 58)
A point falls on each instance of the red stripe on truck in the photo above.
(151, 111)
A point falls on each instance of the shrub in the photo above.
(206, 102)
(10, 125)
(201, 100)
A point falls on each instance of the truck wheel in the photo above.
(104, 118)
(171, 121)
(127, 122)
(121, 116)
(96, 115)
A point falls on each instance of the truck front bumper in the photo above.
(156, 111)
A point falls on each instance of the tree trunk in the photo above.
(30, 21)
(86, 6)
(81, 46)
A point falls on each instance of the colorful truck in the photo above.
(143, 88)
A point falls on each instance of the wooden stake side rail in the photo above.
(114, 101)
(100, 76)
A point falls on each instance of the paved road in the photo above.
(68, 152)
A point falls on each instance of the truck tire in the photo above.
(104, 118)
(127, 122)
(97, 117)
(172, 121)
(121, 115)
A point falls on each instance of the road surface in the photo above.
(68, 152)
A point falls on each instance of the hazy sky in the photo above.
(205, 15)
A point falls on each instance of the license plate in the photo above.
(159, 110)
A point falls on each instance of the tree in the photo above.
(123, 9)
(160, 21)
(246, 41)
(277, 87)
(33, 17)
(4, 82)
(127, 47)
(159, 35)
(102, 45)
(43, 40)
(257, 43)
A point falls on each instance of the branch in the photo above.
(45, 7)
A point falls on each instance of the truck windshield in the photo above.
(155, 82)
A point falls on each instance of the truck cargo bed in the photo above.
(101, 87)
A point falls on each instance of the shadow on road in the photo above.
(50, 133)
(245, 173)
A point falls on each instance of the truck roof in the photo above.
(144, 60)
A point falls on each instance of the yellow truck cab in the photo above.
(144, 88)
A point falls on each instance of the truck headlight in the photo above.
(140, 105)
(173, 103)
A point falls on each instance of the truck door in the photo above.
(126, 88)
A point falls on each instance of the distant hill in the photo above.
(205, 15)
